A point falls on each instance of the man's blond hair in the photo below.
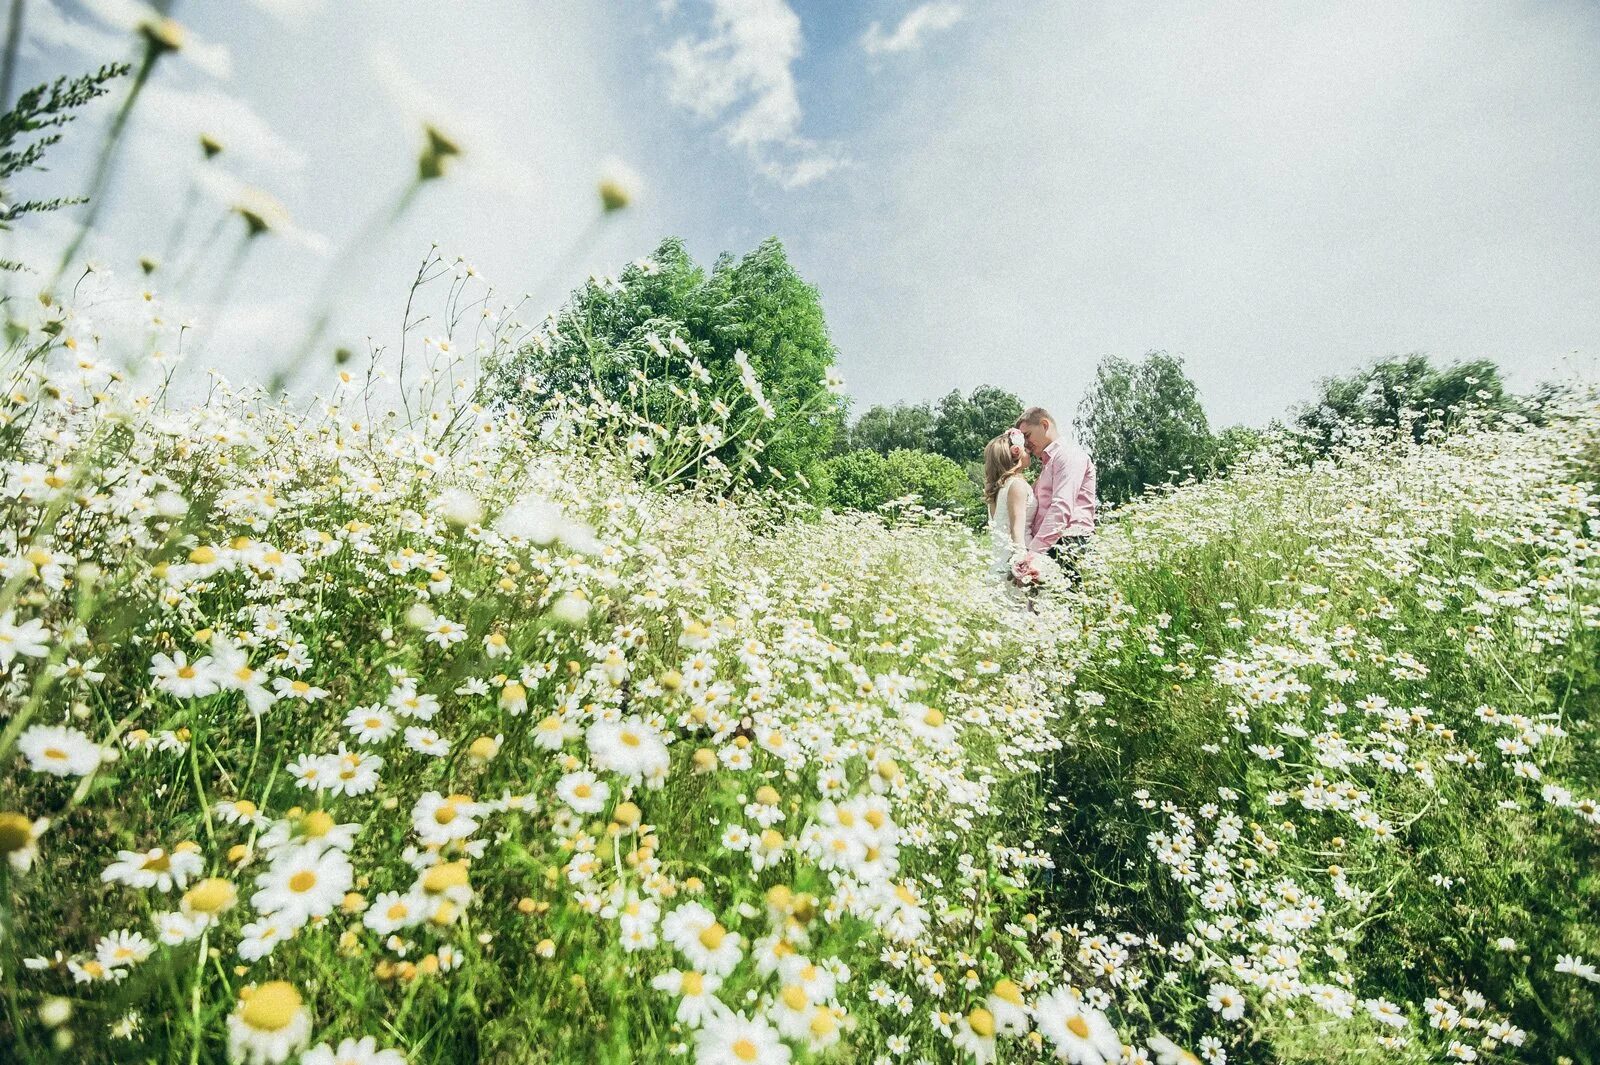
(1034, 416)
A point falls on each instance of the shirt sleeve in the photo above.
(1059, 515)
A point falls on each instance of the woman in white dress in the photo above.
(1010, 499)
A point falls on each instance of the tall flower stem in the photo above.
(8, 66)
(158, 41)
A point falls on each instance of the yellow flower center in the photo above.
(631, 739)
(982, 1022)
(745, 1050)
(1008, 991)
(693, 983)
(446, 876)
(711, 936)
(445, 814)
(1078, 1026)
(794, 996)
(271, 1007)
(158, 861)
(317, 823)
(210, 895)
(303, 881)
(55, 754)
(15, 832)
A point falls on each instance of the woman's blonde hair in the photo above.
(1003, 459)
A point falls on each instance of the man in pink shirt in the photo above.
(1064, 517)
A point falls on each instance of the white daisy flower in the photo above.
(59, 751)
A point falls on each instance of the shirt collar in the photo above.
(1052, 447)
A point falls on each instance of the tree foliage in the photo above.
(1402, 390)
(965, 424)
(957, 428)
(865, 480)
(902, 426)
(1234, 443)
(606, 342)
(1143, 424)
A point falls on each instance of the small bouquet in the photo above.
(1025, 570)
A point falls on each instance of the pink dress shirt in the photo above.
(1065, 492)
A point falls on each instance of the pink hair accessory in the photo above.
(1014, 435)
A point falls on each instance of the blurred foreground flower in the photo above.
(618, 186)
(19, 839)
(434, 154)
(260, 211)
(162, 34)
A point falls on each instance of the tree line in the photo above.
(1141, 419)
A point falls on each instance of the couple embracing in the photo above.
(1053, 517)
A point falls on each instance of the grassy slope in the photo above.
(1408, 555)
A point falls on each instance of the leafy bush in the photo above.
(1403, 392)
(866, 480)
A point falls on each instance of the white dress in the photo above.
(1004, 550)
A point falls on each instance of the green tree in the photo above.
(612, 341)
(41, 108)
(936, 480)
(1143, 424)
(885, 429)
(865, 480)
(1233, 444)
(1400, 390)
(857, 480)
(963, 425)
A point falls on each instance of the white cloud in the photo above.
(45, 24)
(294, 13)
(186, 113)
(742, 72)
(908, 36)
(810, 167)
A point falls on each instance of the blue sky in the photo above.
(984, 193)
